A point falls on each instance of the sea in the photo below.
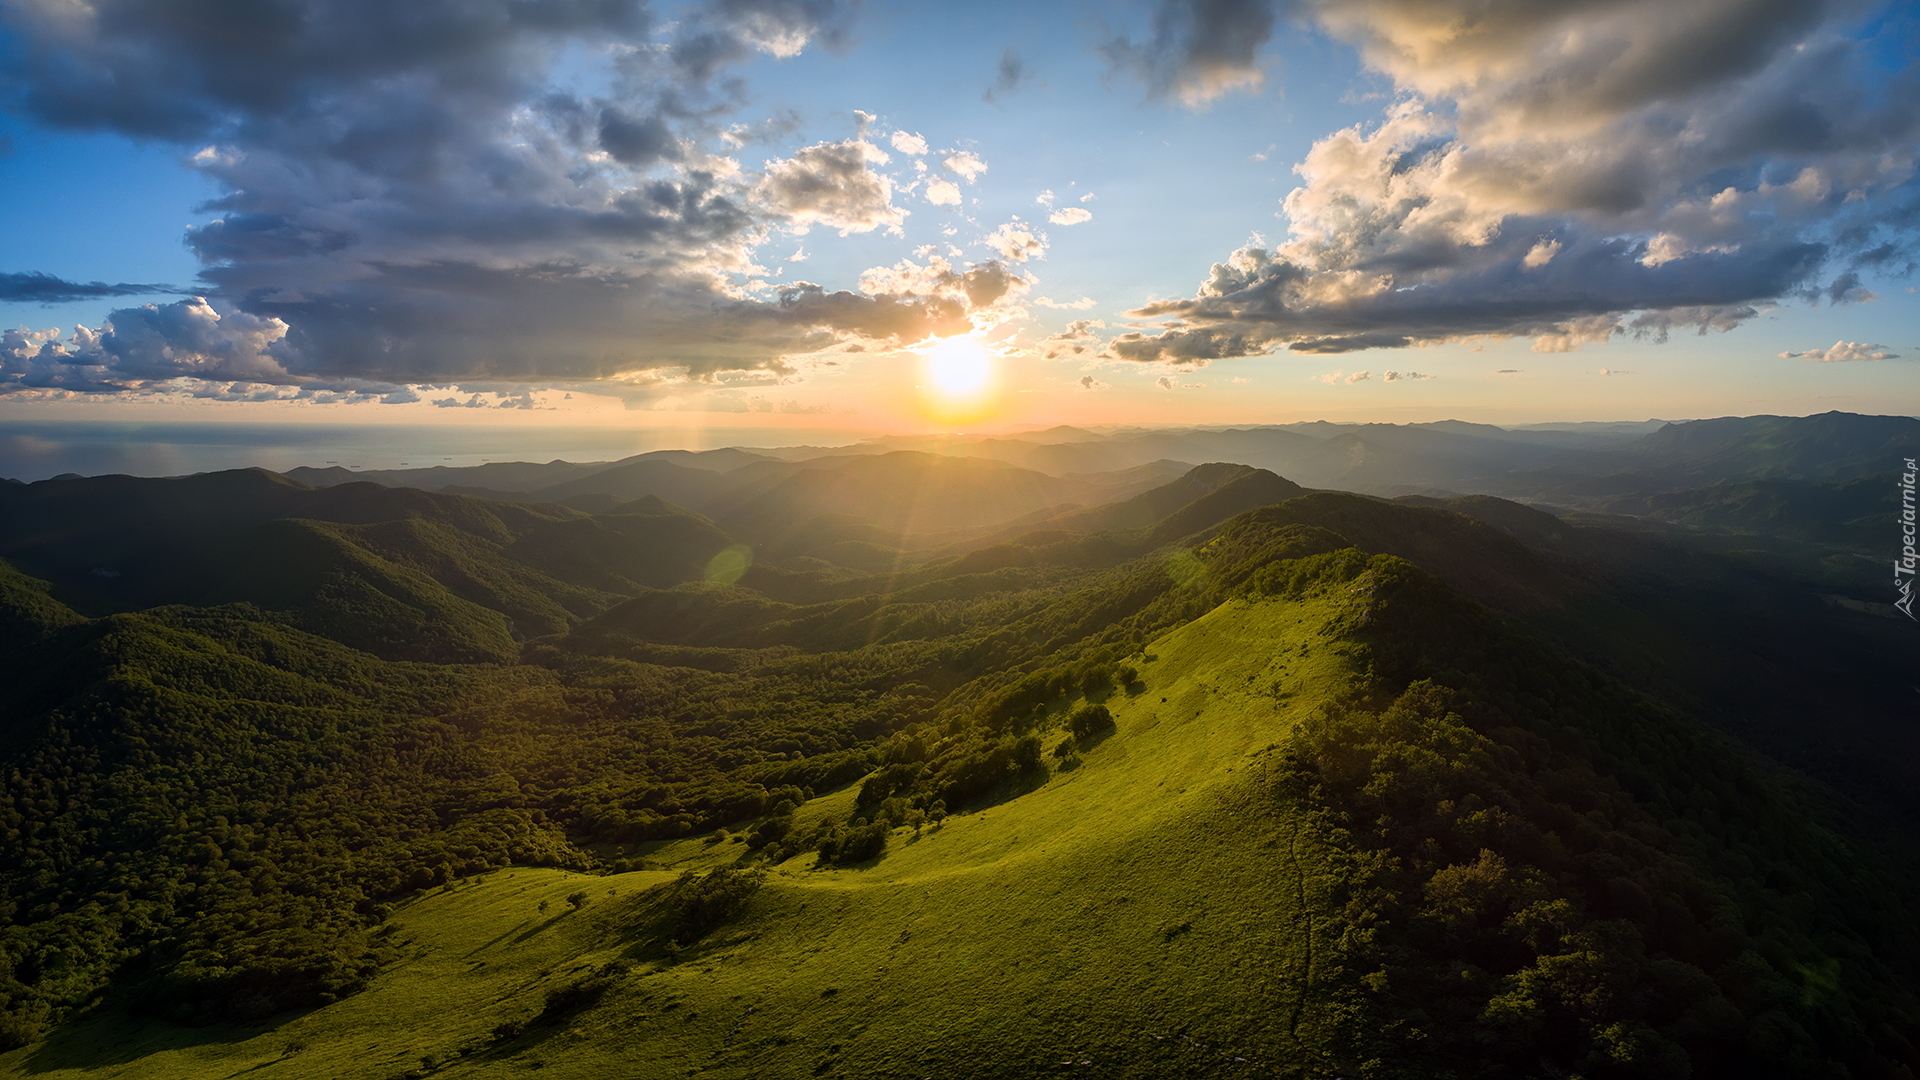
(37, 450)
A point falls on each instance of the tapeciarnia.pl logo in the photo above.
(1903, 566)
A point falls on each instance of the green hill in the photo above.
(1204, 889)
(1331, 786)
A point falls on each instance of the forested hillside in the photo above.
(1220, 777)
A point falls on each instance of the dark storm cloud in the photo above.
(1571, 172)
(727, 32)
(410, 196)
(37, 288)
(1260, 301)
(1007, 78)
(183, 69)
(1198, 49)
(636, 140)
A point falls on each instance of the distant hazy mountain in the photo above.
(392, 570)
(1567, 464)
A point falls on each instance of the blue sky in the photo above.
(1367, 210)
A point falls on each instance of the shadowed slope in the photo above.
(405, 572)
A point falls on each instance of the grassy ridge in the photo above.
(1013, 939)
(1297, 853)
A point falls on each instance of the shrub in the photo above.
(1090, 720)
(863, 842)
(704, 901)
(1096, 681)
(770, 831)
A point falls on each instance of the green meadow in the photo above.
(1151, 909)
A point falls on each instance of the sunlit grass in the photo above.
(1139, 911)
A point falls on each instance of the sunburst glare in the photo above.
(959, 380)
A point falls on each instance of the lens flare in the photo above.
(959, 380)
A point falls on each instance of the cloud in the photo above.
(1088, 382)
(1080, 338)
(1359, 376)
(1568, 336)
(1016, 242)
(1199, 50)
(1081, 304)
(946, 294)
(943, 192)
(1405, 376)
(1191, 347)
(1843, 351)
(966, 164)
(37, 288)
(908, 143)
(833, 184)
(1167, 382)
(1008, 77)
(1571, 172)
(1541, 254)
(1072, 215)
(412, 194)
(146, 346)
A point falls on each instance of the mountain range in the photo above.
(916, 760)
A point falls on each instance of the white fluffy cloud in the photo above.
(833, 184)
(1016, 242)
(965, 164)
(1072, 215)
(1843, 351)
(154, 345)
(942, 192)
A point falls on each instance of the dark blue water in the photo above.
(34, 450)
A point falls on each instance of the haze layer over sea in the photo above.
(35, 450)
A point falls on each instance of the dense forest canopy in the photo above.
(1588, 799)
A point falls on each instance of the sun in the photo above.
(959, 380)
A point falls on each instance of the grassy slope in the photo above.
(1148, 911)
